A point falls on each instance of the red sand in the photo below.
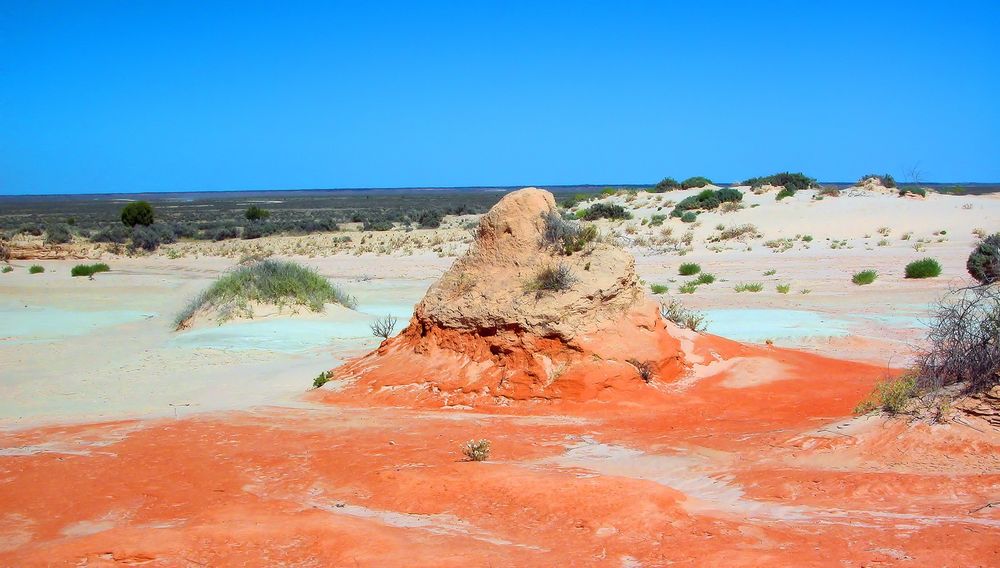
(768, 474)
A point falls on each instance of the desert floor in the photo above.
(126, 442)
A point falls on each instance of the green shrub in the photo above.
(793, 181)
(276, 282)
(150, 238)
(864, 277)
(321, 379)
(605, 211)
(137, 213)
(696, 181)
(705, 278)
(568, 236)
(553, 278)
(785, 192)
(36, 269)
(58, 234)
(885, 180)
(658, 288)
(688, 288)
(924, 268)
(689, 269)
(689, 217)
(770, 272)
(828, 191)
(7, 268)
(984, 261)
(657, 220)
(476, 450)
(255, 213)
(913, 191)
(783, 288)
(889, 396)
(706, 200)
(666, 184)
(729, 195)
(749, 287)
(89, 269)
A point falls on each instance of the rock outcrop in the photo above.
(486, 333)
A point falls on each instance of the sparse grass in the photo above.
(89, 269)
(321, 379)
(783, 288)
(705, 278)
(553, 278)
(739, 232)
(689, 269)
(476, 450)
(864, 277)
(749, 287)
(889, 396)
(688, 288)
(36, 269)
(771, 272)
(689, 319)
(280, 283)
(924, 268)
(658, 288)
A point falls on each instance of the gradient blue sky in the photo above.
(170, 96)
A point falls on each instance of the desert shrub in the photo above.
(706, 200)
(785, 192)
(696, 181)
(912, 190)
(864, 277)
(829, 191)
(689, 269)
(783, 288)
(666, 184)
(89, 269)
(566, 235)
(675, 312)
(658, 288)
(923, 268)
(704, 278)
(430, 219)
(225, 232)
(688, 288)
(255, 213)
(962, 344)
(6, 269)
(689, 217)
(151, 237)
(321, 379)
(749, 287)
(605, 211)
(729, 195)
(890, 395)
(644, 368)
(476, 450)
(554, 278)
(36, 269)
(137, 213)
(58, 234)
(383, 326)
(739, 232)
(885, 180)
(793, 181)
(730, 207)
(984, 261)
(376, 225)
(4, 251)
(657, 220)
(116, 234)
(257, 229)
(33, 229)
(280, 283)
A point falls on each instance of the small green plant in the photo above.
(705, 278)
(689, 319)
(476, 450)
(749, 287)
(657, 220)
(659, 288)
(689, 269)
(923, 268)
(864, 277)
(553, 278)
(7, 268)
(983, 263)
(919, 191)
(807, 238)
(771, 272)
(89, 269)
(605, 211)
(689, 217)
(36, 269)
(695, 182)
(889, 396)
(783, 288)
(785, 192)
(688, 288)
(321, 379)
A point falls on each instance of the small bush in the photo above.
(829, 191)
(36, 269)
(476, 450)
(149, 238)
(666, 184)
(554, 278)
(658, 288)
(57, 235)
(695, 182)
(7, 268)
(919, 191)
(688, 288)
(704, 278)
(749, 287)
(739, 232)
(116, 234)
(430, 219)
(924, 268)
(885, 180)
(89, 269)
(657, 220)
(889, 396)
(984, 261)
(321, 379)
(567, 235)
(383, 326)
(605, 211)
(255, 213)
(785, 192)
(793, 181)
(689, 269)
(689, 217)
(962, 346)
(783, 288)
(137, 213)
(864, 277)
(675, 312)
(644, 368)
(706, 200)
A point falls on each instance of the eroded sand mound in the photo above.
(484, 333)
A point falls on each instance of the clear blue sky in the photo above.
(168, 95)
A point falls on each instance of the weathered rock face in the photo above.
(485, 334)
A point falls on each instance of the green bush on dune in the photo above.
(924, 268)
(36, 269)
(89, 269)
(277, 282)
(695, 182)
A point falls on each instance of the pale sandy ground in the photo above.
(140, 368)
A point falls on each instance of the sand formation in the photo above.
(485, 334)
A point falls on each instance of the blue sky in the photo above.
(171, 96)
